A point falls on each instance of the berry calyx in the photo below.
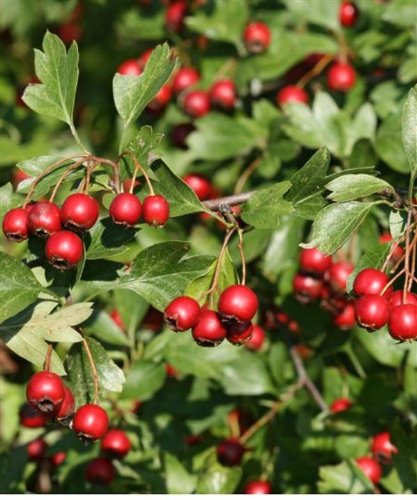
(130, 67)
(90, 422)
(398, 298)
(238, 333)
(45, 391)
(64, 249)
(125, 209)
(115, 444)
(196, 103)
(381, 446)
(306, 288)
(209, 331)
(182, 314)
(258, 488)
(369, 282)
(31, 418)
(36, 449)
(291, 93)
(223, 94)
(15, 225)
(402, 323)
(371, 468)
(67, 407)
(79, 212)
(257, 37)
(341, 76)
(200, 185)
(348, 14)
(338, 275)
(372, 311)
(312, 261)
(184, 78)
(155, 210)
(257, 340)
(345, 319)
(44, 219)
(100, 470)
(230, 452)
(340, 404)
(238, 302)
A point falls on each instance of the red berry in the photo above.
(182, 314)
(341, 76)
(258, 488)
(127, 183)
(45, 391)
(18, 176)
(397, 298)
(155, 210)
(125, 209)
(15, 224)
(209, 331)
(345, 319)
(291, 93)
(238, 333)
(200, 185)
(341, 404)
(184, 78)
(174, 15)
(179, 134)
(58, 458)
(31, 418)
(116, 317)
(257, 37)
(398, 251)
(196, 103)
(44, 219)
(382, 447)
(64, 249)
(130, 67)
(223, 94)
(257, 340)
(348, 13)
(154, 320)
(314, 262)
(161, 100)
(307, 288)
(90, 422)
(70, 31)
(36, 449)
(238, 302)
(370, 468)
(79, 212)
(230, 452)
(171, 371)
(369, 282)
(67, 407)
(100, 470)
(372, 311)
(402, 323)
(115, 443)
(338, 275)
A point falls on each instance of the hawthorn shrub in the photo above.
(208, 257)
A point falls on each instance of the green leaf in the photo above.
(335, 223)
(18, 286)
(108, 239)
(143, 145)
(409, 130)
(105, 329)
(316, 12)
(57, 69)
(144, 379)
(217, 479)
(388, 144)
(178, 479)
(6, 199)
(264, 209)
(350, 187)
(343, 478)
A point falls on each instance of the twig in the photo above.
(47, 364)
(93, 369)
(243, 179)
(232, 200)
(253, 429)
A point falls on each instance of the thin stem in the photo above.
(77, 139)
(243, 179)
(47, 364)
(407, 257)
(67, 172)
(316, 70)
(231, 201)
(392, 281)
(93, 370)
(139, 167)
(242, 255)
(135, 173)
(253, 429)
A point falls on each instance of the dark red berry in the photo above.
(100, 470)
(372, 311)
(44, 219)
(175, 14)
(200, 185)
(306, 288)
(36, 449)
(127, 184)
(196, 103)
(345, 318)
(402, 323)
(64, 249)
(313, 261)
(223, 94)
(161, 100)
(348, 14)
(115, 444)
(238, 302)
(230, 452)
(381, 446)
(31, 418)
(18, 176)
(130, 67)
(258, 488)
(79, 211)
(15, 225)
(179, 134)
(371, 468)
(69, 32)
(291, 93)
(154, 320)
(45, 391)
(155, 210)
(341, 404)
(258, 338)
(184, 78)
(338, 275)
(58, 458)
(257, 37)
(369, 282)
(125, 209)
(341, 76)
(209, 331)
(182, 314)
(238, 333)
(398, 298)
(67, 407)
(90, 422)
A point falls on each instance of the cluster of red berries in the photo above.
(237, 306)
(321, 279)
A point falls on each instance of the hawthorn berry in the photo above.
(36, 449)
(341, 76)
(127, 183)
(90, 422)
(79, 212)
(64, 249)
(184, 78)
(230, 452)
(257, 37)
(70, 31)
(402, 323)
(182, 314)
(125, 209)
(209, 331)
(31, 418)
(45, 391)
(155, 210)
(18, 176)
(130, 67)
(161, 100)
(200, 185)
(259, 487)
(312, 261)
(381, 446)
(257, 340)
(371, 468)
(337, 276)
(238, 302)
(369, 282)
(398, 251)
(398, 298)
(345, 318)
(44, 219)
(372, 311)
(223, 94)
(340, 404)
(291, 93)
(306, 288)
(348, 14)
(115, 444)
(179, 134)
(100, 470)
(196, 103)
(117, 318)
(238, 333)
(67, 407)
(174, 15)
(58, 458)
(15, 225)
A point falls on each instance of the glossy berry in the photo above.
(58, 458)
(44, 219)
(238, 333)
(161, 100)
(100, 470)
(31, 418)
(372, 311)
(230, 452)
(348, 14)
(125, 209)
(15, 225)
(115, 444)
(79, 211)
(209, 331)
(382, 447)
(340, 404)
(184, 78)
(196, 103)
(18, 176)
(257, 37)
(130, 67)
(258, 488)
(238, 302)
(397, 298)
(67, 407)
(341, 77)
(369, 282)
(45, 391)
(312, 261)
(64, 249)
(174, 15)
(200, 185)
(291, 93)
(179, 134)
(258, 339)
(182, 314)
(155, 210)
(36, 449)
(398, 251)
(345, 318)
(90, 422)
(338, 275)
(371, 468)
(306, 288)
(402, 324)
(223, 94)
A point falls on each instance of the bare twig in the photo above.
(231, 201)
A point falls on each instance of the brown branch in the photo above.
(232, 200)
(253, 429)
(94, 373)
